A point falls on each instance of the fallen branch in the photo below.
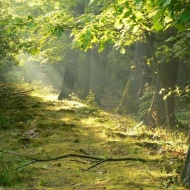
(100, 160)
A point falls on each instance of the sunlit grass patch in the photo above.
(43, 127)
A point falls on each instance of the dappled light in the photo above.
(49, 128)
(94, 94)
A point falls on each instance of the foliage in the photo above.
(145, 102)
(120, 22)
(182, 43)
(123, 22)
(182, 114)
(90, 99)
(182, 93)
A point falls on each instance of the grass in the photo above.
(37, 125)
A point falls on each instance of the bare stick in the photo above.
(93, 166)
(101, 160)
(116, 160)
(24, 165)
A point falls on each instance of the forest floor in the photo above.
(34, 124)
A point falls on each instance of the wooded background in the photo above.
(132, 56)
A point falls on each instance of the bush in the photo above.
(145, 102)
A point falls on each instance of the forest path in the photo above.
(35, 124)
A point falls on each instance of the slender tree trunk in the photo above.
(69, 75)
(162, 109)
(86, 73)
(104, 63)
(185, 174)
(156, 115)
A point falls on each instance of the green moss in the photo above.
(62, 128)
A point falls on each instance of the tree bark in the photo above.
(98, 72)
(69, 75)
(86, 73)
(185, 174)
(138, 78)
(162, 109)
(169, 79)
(156, 114)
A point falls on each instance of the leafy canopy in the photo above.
(28, 25)
(123, 22)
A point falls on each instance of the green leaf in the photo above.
(158, 26)
(122, 51)
(181, 27)
(18, 20)
(101, 47)
(137, 2)
(7, 31)
(162, 90)
(30, 17)
(185, 16)
(166, 2)
(128, 13)
(35, 51)
(91, 1)
(88, 35)
(139, 16)
(118, 24)
(58, 31)
(32, 25)
(157, 19)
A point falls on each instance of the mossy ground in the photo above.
(37, 125)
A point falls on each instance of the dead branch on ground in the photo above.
(98, 159)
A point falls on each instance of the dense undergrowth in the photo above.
(35, 124)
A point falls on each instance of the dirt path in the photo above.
(34, 123)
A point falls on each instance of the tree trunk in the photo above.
(156, 115)
(185, 174)
(138, 78)
(72, 58)
(86, 73)
(69, 75)
(98, 71)
(162, 110)
(169, 78)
